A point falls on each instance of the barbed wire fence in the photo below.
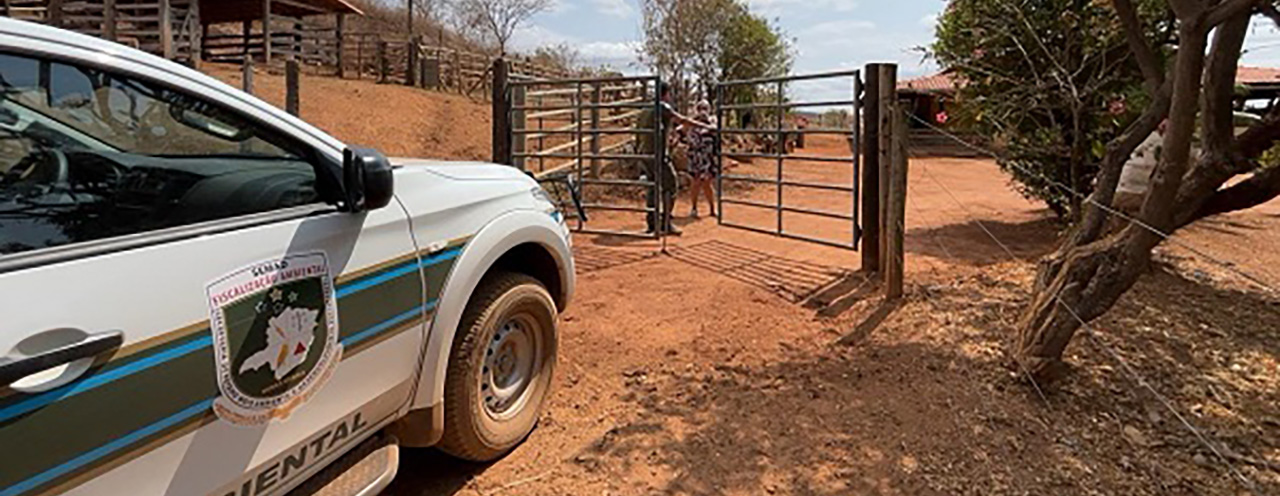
(1218, 450)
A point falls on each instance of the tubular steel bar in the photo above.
(793, 131)
(821, 213)
(787, 235)
(781, 144)
(613, 79)
(719, 141)
(577, 119)
(616, 130)
(749, 106)
(749, 203)
(795, 184)
(603, 156)
(659, 168)
(637, 103)
(823, 186)
(802, 77)
(855, 147)
(628, 234)
(617, 208)
(615, 182)
(787, 156)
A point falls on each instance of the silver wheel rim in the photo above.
(512, 359)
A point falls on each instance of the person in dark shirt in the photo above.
(664, 171)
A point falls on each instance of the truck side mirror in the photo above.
(367, 181)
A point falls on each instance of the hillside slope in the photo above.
(398, 120)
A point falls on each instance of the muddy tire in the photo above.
(500, 367)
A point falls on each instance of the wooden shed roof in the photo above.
(250, 10)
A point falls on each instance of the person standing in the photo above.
(703, 160)
(660, 170)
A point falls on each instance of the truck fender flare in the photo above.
(478, 256)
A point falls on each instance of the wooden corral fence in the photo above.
(169, 28)
(409, 61)
(291, 38)
(592, 124)
(272, 32)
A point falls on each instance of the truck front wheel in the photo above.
(500, 367)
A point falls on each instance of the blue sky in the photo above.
(828, 34)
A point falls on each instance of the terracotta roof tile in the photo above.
(1258, 75)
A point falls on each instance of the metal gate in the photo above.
(580, 138)
(741, 115)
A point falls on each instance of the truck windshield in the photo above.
(125, 114)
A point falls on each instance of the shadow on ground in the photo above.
(969, 243)
(905, 409)
(794, 280)
(429, 472)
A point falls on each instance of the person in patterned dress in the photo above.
(703, 160)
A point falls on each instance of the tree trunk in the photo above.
(1085, 280)
(1091, 278)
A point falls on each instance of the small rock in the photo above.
(1199, 459)
(1136, 436)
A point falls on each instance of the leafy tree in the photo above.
(711, 40)
(751, 47)
(1049, 81)
(1190, 83)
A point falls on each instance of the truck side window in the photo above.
(86, 154)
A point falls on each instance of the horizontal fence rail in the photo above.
(780, 131)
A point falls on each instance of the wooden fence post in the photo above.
(266, 32)
(109, 20)
(501, 114)
(411, 67)
(196, 34)
(339, 34)
(291, 95)
(896, 208)
(871, 170)
(431, 72)
(384, 67)
(246, 78)
(886, 104)
(54, 13)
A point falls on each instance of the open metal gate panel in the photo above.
(780, 107)
(573, 97)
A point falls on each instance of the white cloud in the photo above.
(611, 50)
(837, 29)
(774, 8)
(614, 8)
(560, 7)
(617, 54)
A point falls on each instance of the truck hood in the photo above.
(464, 171)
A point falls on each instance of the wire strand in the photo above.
(1089, 331)
(1226, 264)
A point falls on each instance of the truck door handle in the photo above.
(92, 346)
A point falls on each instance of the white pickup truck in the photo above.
(201, 294)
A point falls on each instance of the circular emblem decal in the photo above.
(275, 335)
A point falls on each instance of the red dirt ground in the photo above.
(742, 363)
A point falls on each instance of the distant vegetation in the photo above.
(698, 43)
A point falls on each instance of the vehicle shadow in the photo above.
(429, 472)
